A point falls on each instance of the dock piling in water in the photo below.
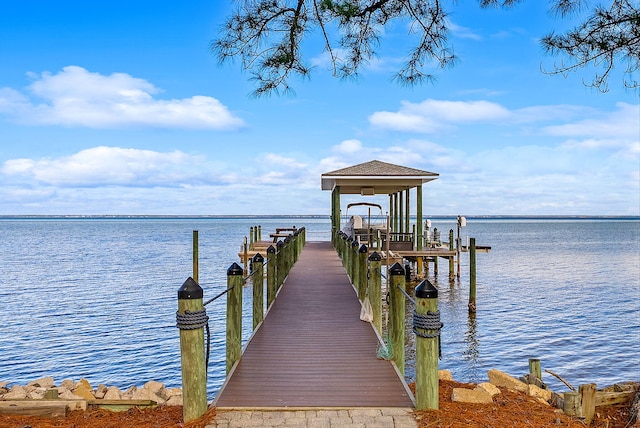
(257, 279)
(234, 315)
(426, 325)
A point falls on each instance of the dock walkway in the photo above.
(312, 351)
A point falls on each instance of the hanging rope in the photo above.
(197, 319)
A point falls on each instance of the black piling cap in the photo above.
(375, 257)
(190, 290)
(350, 239)
(363, 249)
(280, 244)
(396, 269)
(271, 249)
(258, 258)
(426, 290)
(234, 269)
(354, 244)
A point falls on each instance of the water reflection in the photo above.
(472, 351)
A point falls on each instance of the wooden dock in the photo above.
(312, 350)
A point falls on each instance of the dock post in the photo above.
(259, 233)
(245, 255)
(397, 306)
(347, 255)
(472, 275)
(363, 252)
(452, 273)
(288, 250)
(355, 267)
(234, 315)
(426, 326)
(375, 289)
(534, 369)
(280, 274)
(257, 278)
(191, 318)
(272, 287)
(196, 268)
(251, 236)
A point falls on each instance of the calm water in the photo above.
(97, 298)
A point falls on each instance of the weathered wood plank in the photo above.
(49, 411)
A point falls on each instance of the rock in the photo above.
(128, 394)
(158, 399)
(37, 393)
(140, 394)
(101, 391)
(444, 375)
(154, 386)
(82, 391)
(4, 384)
(68, 395)
(464, 395)
(113, 393)
(67, 384)
(542, 395)
(84, 383)
(503, 380)
(16, 392)
(174, 392)
(45, 382)
(175, 400)
(490, 388)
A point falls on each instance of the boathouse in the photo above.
(381, 178)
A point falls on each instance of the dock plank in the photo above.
(312, 349)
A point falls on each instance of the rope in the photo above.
(430, 321)
(406, 295)
(194, 320)
(218, 296)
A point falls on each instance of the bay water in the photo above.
(96, 297)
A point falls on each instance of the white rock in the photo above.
(68, 395)
(174, 392)
(37, 393)
(45, 382)
(112, 393)
(464, 395)
(3, 384)
(158, 399)
(175, 400)
(140, 394)
(128, 394)
(68, 384)
(154, 386)
(542, 395)
(503, 380)
(490, 388)
(16, 392)
(101, 391)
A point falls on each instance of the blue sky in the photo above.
(119, 107)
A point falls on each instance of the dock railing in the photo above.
(192, 320)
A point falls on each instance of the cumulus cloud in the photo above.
(433, 115)
(76, 97)
(105, 166)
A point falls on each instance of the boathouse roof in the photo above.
(375, 178)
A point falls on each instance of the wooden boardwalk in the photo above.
(312, 350)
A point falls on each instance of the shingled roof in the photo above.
(375, 177)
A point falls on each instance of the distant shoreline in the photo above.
(302, 216)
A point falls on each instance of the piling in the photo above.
(375, 289)
(279, 264)
(363, 252)
(272, 287)
(191, 318)
(397, 306)
(426, 326)
(196, 268)
(245, 256)
(472, 275)
(234, 315)
(534, 369)
(257, 278)
(451, 261)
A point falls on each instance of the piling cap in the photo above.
(375, 257)
(258, 258)
(271, 249)
(426, 290)
(350, 239)
(396, 269)
(280, 244)
(190, 290)
(234, 269)
(363, 249)
(354, 244)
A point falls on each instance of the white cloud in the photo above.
(432, 115)
(77, 97)
(624, 122)
(348, 147)
(106, 166)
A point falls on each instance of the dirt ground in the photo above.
(510, 409)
